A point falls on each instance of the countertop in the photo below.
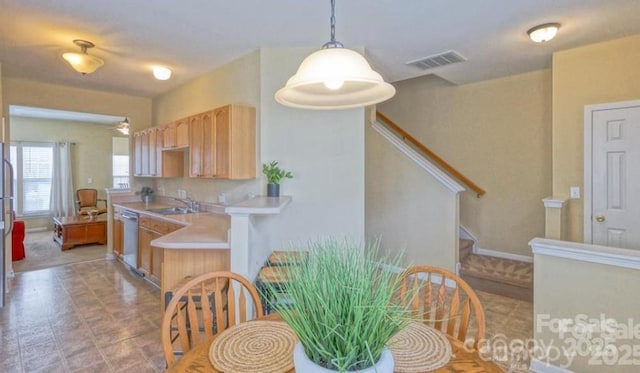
(205, 230)
(202, 230)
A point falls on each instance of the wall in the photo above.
(235, 83)
(567, 287)
(407, 208)
(323, 149)
(91, 154)
(594, 74)
(498, 134)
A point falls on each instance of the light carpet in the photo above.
(42, 252)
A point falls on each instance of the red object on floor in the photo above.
(17, 240)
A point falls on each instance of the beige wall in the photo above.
(407, 208)
(498, 134)
(598, 73)
(235, 83)
(91, 154)
(323, 149)
(568, 288)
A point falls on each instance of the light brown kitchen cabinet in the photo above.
(201, 145)
(150, 159)
(176, 135)
(117, 237)
(223, 143)
(150, 259)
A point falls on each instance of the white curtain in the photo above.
(62, 198)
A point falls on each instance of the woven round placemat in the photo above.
(419, 348)
(255, 346)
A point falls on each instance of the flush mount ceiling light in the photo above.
(545, 32)
(334, 78)
(123, 126)
(82, 62)
(161, 72)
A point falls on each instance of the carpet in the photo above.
(42, 252)
(498, 269)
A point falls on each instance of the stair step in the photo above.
(502, 270)
(466, 248)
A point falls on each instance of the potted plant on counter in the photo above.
(342, 307)
(274, 176)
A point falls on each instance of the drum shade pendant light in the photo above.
(334, 78)
(82, 62)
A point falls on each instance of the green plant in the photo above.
(341, 305)
(274, 173)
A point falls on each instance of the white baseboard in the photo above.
(538, 366)
(502, 254)
(466, 234)
(37, 229)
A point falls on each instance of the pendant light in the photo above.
(334, 78)
(83, 62)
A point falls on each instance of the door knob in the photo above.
(599, 218)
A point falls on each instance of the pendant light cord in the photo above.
(333, 43)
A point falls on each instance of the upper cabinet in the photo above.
(223, 143)
(176, 134)
(150, 160)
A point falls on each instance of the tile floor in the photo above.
(99, 317)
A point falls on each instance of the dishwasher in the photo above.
(130, 254)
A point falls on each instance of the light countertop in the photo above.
(202, 230)
(205, 230)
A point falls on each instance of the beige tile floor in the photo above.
(99, 317)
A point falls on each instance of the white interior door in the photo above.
(615, 172)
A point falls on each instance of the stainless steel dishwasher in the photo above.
(130, 255)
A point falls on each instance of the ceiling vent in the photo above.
(437, 60)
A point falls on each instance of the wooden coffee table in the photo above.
(70, 231)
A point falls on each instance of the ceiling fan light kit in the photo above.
(544, 32)
(83, 62)
(334, 78)
(123, 126)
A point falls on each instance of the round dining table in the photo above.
(197, 359)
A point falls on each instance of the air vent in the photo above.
(437, 60)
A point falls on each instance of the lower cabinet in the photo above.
(150, 259)
(117, 241)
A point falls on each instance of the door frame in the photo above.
(588, 163)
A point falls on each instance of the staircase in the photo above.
(501, 276)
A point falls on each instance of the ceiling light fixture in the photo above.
(123, 126)
(161, 72)
(82, 62)
(334, 78)
(545, 32)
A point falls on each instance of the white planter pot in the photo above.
(302, 363)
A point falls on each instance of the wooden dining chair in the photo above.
(444, 301)
(206, 305)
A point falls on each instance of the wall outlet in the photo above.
(574, 192)
(182, 193)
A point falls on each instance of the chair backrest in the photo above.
(444, 301)
(87, 198)
(204, 306)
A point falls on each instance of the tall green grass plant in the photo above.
(341, 305)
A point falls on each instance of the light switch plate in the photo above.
(575, 192)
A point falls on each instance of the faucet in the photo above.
(191, 204)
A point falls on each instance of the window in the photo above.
(33, 166)
(120, 162)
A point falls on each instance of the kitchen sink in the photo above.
(171, 210)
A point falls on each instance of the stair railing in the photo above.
(433, 156)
